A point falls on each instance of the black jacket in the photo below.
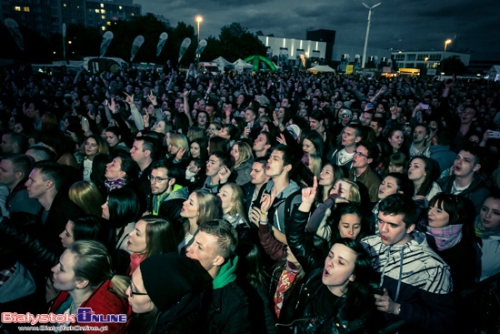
(61, 210)
(300, 311)
(228, 312)
(476, 192)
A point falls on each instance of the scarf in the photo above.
(481, 232)
(446, 237)
(135, 261)
(287, 278)
(115, 184)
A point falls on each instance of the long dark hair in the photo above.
(88, 227)
(202, 143)
(338, 173)
(358, 296)
(315, 138)
(99, 169)
(404, 184)
(345, 209)
(123, 207)
(426, 186)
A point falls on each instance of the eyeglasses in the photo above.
(156, 179)
(132, 293)
(361, 154)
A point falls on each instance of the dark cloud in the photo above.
(408, 24)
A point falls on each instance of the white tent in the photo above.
(241, 66)
(223, 63)
(494, 73)
(321, 68)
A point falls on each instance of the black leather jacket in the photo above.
(299, 314)
(24, 238)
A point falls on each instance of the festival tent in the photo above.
(261, 63)
(223, 63)
(494, 73)
(240, 66)
(321, 69)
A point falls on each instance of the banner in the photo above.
(184, 46)
(15, 32)
(201, 47)
(106, 39)
(136, 45)
(161, 43)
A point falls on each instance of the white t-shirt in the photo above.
(87, 169)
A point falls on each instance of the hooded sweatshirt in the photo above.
(417, 279)
(227, 274)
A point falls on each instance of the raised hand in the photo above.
(309, 194)
(180, 154)
(112, 106)
(129, 99)
(265, 203)
(152, 98)
(224, 174)
(85, 124)
(281, 139)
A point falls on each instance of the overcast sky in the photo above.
(396, 24)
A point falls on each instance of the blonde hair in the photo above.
(237, 199)
(180, 141)
(87, 196)
(93, 263)
(245, 153)
(207, 206)
(316, 164)
(354, 195)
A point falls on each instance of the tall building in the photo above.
(323, 35)
(103, 13)
(290, 49)
(426, 59)
(47, 16)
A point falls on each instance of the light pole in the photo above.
(198, 21)
(367, 31)
(448, 41)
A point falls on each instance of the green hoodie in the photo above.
(226, 274)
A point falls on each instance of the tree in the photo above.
(236, 42)
(453, 65)
(213, 49)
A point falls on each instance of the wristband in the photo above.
(263, 213)
(263, 221)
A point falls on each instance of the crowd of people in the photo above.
(249, 203)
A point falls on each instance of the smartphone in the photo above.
(249, 126)
(494, 134)
(376, 289)
(424, 106)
